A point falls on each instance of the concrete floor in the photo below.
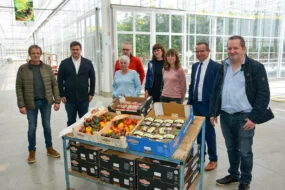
(48, 173)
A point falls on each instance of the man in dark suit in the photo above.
(202, 80)
(76, 82)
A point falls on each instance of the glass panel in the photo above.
(252, 48)
(220, 26)
(163, 40)
(124, 21)
(176, 22)
(219, 48)
(143, 48)
(244, 27)
(190, 24)
(124, 38)
(143, 22)
(190, 52)
(230, 26)
(162, 23)
(202, 39)
(202, 25)
(275, 27)
(176, 42)
(264, 49)
(273, 56)
(266, 27)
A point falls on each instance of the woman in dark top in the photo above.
(153, 84)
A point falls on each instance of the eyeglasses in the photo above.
(126, 49)
(201, 51)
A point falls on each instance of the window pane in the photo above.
(163, 40)
(142, 22)
(252, 48)
(220, 26)
(143, 48)
(176, 42)
(190, 24)
(124, 21)
(202, 39)
(219, 48)
(176, 21)
(230, 26)
(162, 23)
(124, 38)
(244, 27)
(202, 25)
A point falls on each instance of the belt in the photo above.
(236, 113)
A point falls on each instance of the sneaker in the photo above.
(211, 166)
(243, 187)
(32, 157)
(53, 153)
(227, 180)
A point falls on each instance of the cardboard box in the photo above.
(92, 169)
(191, 178)
(93, 137)
(146, 105)
(118, 179)
(90, 153)
(162, 170)
(74, 151)
(163, 111)
(106, 175)
(120, 161)
(122, 142)
(75, 165)
(192, 160)
(124, 180)
(154, 184)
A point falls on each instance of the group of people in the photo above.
(37, 90)
(165, 78)
(236, 90)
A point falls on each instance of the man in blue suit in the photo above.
(202, 81)
(76, 82)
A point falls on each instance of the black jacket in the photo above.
(257, 91)
(209, 80)
(75, 86)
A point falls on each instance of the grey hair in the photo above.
(127, 43)
(124, 58)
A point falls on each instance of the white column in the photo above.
(213, 30)
(107, 72)
(281, 40)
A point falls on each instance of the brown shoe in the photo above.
(211, 165)
(53, 153)
(32, 157)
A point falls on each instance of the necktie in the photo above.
(197, 83)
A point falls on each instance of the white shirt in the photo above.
(202, 76)
(76, 64)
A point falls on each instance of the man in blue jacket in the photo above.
(202, 80)
(76, 82)
(241, 97)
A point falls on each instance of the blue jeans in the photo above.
(201, 109)
(73, 108)
(32, 116)
(169, 99)
(239, 146)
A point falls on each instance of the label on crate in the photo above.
(84, 169)
(92, 170)
(156, 189)
(157, 174)
(116, 180)
(82, 156)
(126, 182)
(116, 165)
(91, 157)
(147, 148)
